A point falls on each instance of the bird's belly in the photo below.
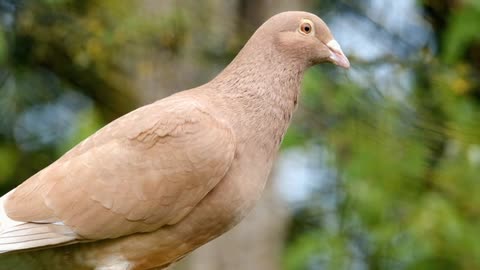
(218, 212)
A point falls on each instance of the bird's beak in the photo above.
(336, 54)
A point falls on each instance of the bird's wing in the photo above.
(141, 172)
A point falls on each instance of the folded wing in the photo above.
(141, 172)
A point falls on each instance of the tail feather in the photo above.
(17, 235)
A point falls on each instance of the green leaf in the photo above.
(461, 32)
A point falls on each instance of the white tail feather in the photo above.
(16, 235)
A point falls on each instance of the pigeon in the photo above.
(168, 177)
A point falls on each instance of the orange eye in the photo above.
(306, 28)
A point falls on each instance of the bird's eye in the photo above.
(306, 28)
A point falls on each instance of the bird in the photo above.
(157, 183)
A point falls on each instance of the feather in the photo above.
(16, 235)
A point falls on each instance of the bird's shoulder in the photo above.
(173, 116)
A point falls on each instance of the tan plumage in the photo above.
(166, 178)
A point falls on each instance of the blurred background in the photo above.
(378, 170)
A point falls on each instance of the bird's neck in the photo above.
(261, 88)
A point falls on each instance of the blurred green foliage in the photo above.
(407, 188)
(462, 30)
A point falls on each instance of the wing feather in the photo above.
(143, 171)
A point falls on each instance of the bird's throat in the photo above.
(262, 92)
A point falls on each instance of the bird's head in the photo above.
(304, 36)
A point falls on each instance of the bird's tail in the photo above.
(18, 235)
(5, 221)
